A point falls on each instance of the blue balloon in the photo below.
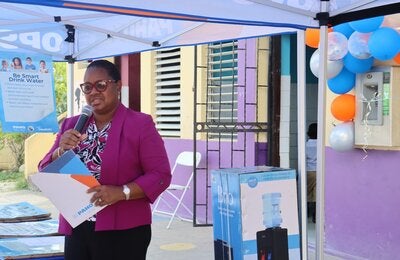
(367, 25)
(344, 28)
(384, 43)
(355, 65)
(342, 83)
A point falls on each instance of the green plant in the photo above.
(6, 176)
(16, 143)
(17, 177)
(60, 82)
(22, 184)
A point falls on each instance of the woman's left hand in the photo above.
(106, 195)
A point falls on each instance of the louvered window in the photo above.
(168, 99)
(222, 82)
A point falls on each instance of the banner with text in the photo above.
(27, 102)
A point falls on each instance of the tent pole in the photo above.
(301, 137)
(320, 209)
(70, 86)
(70, 81)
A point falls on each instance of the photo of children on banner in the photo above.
(16, 63)
(29, 65)
(4, 66)
(43, 68)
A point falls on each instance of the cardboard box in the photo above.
(249, 200)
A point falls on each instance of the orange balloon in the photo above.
(343, 107)
(397, 58)
(312, 37)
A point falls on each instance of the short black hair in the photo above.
(110, 67)
(312, 131)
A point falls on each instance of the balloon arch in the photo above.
(353, 48)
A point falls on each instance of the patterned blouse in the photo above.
(92, 147)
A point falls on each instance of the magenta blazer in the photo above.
(134, 152)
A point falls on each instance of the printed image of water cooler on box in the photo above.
(255, 214)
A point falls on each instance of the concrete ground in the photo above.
(181, 241)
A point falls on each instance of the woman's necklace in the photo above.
(101, 126)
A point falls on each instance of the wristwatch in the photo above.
(126, 191)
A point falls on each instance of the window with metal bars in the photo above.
(222, 87)
(167, 87)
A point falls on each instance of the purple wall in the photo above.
(362, 208)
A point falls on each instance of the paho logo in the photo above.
(85, 208)
(48, 41)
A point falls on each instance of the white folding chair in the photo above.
(177, 189)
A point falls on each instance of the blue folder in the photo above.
(68, 163)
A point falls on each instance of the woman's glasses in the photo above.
(100, 85)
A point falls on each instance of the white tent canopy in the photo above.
(94, 34)
(100, 28)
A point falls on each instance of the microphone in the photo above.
(83, 118)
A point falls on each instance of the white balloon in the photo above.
(337, 46)
(358, 45)
(342, 137)
(334, 67)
